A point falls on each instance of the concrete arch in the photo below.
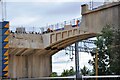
(52, 49)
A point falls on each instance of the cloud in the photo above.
(23, 20)
(65, 9)
(60, 57)
(61, 61)
(47, 13)
(42, 13)
(62, 66)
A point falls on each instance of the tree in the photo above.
(85, 71)
(71, 71)
(115, 53)
(65, 73)
(68, 72)
(103, 43)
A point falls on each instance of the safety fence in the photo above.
(54, 27)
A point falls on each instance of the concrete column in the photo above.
(29, 66)
(84, 8)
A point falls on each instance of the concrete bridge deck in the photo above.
(25, 43)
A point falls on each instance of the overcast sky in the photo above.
(41, 13)
(61, 61)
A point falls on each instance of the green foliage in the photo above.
(53, 74)
(71, 71)
(108, 45)
(115, 53)
(85, 71)
(65, 73)
(103, 43)
(68, 72)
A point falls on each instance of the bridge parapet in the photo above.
(33, 41)
(41, 41)
(58, 36)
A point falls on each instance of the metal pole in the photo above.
(2, 8)
(78, 77)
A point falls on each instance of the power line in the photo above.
(82, 47)
(78, 48)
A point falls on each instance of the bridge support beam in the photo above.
(29, 66)
(78, 76)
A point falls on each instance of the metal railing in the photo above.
(108, 77)
(55, 27)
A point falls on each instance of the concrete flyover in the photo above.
(30, 54)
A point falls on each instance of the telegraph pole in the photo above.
(96, 64)
(78, 76)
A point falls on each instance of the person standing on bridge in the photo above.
(49, 30)
(77, 23)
